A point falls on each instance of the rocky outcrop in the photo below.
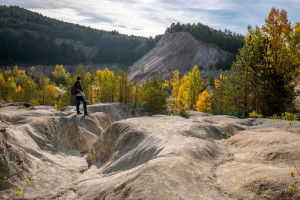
(177, 51)
(50, 143)
(107, 155)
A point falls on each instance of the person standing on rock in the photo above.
(80, 97)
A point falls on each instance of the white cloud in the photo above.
(64, 14)
(152, 17)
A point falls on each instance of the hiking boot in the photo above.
(79, 113)
(86, 113)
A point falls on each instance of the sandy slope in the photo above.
(177, 51)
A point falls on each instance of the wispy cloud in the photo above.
(151, 17)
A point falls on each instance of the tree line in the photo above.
(105, 86)
(101, 86)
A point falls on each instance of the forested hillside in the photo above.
(226, 40)
(30, 38)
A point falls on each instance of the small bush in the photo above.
(254, 114)
(288, 116)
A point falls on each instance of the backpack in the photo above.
(73, 89)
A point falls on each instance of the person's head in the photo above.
(78, 79)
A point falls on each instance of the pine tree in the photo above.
(154, 97)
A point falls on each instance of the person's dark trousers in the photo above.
(78, 100)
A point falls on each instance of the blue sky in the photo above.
(152, 17)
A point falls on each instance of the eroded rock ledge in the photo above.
(115, 154)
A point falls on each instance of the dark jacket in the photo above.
(79, 89)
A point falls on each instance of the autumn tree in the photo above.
(105, 86)
(59, 75)
(30, 90)
(195, 86)
(180, 103)
(50, 95)
(42, 81)
(10, 89)
(204, 102)
(186, 91)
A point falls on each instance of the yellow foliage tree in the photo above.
(180, 104)
(50, 94)
(59, 75)
(204, 102)
(196, 85)
(30, 90)
(186, 91)
(9, 90)
(105, 86)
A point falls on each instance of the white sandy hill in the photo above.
(177, 51)
(160, 157)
